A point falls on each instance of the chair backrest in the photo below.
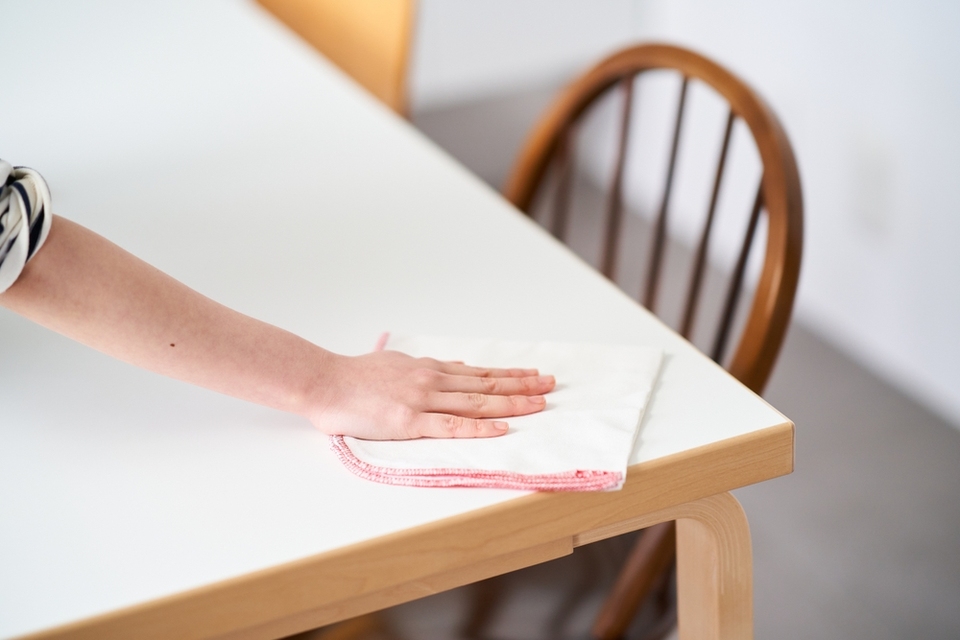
(369, 39)
(778, 194)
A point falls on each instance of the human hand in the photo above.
(388, 395)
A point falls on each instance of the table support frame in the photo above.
(714, 570)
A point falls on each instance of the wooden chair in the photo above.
(368, 39)
(777, 194)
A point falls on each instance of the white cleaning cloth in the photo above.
(580, 442)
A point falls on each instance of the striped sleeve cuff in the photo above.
(24, 219)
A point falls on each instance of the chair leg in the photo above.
(586, 580)
(666, 598)
(370, 626)
(650, 559)
(486, 597)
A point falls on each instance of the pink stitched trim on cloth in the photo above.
(564, 481)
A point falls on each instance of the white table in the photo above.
(207, 140)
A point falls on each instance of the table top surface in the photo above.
(209, 141)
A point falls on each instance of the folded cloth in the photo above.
(580, 442)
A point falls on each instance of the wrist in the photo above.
(315, 392)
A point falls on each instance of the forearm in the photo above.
(91, 290)
(87, 288)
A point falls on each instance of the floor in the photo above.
(862, 541)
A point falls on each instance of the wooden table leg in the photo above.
(714, 570)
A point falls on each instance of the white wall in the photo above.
(466, 49)
(870, 96)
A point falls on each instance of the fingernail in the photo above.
(500, 426)
(545, 379)
(538, 399)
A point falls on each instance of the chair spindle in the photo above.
(660, 231)
(608, 260)
(696, 277)
(736, 280)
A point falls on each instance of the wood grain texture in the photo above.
(410, 564)
(714, 571)
(407, 591)
(369, 39)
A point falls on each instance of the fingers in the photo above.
(480, 405)
(461, 415)
(501, 386)
(460, 369)
(461, 401)
(436, 425)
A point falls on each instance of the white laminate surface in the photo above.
(209, 141)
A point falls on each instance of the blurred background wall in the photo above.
(870, 96)
(469, 49)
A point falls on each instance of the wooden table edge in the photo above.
(442, 555)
